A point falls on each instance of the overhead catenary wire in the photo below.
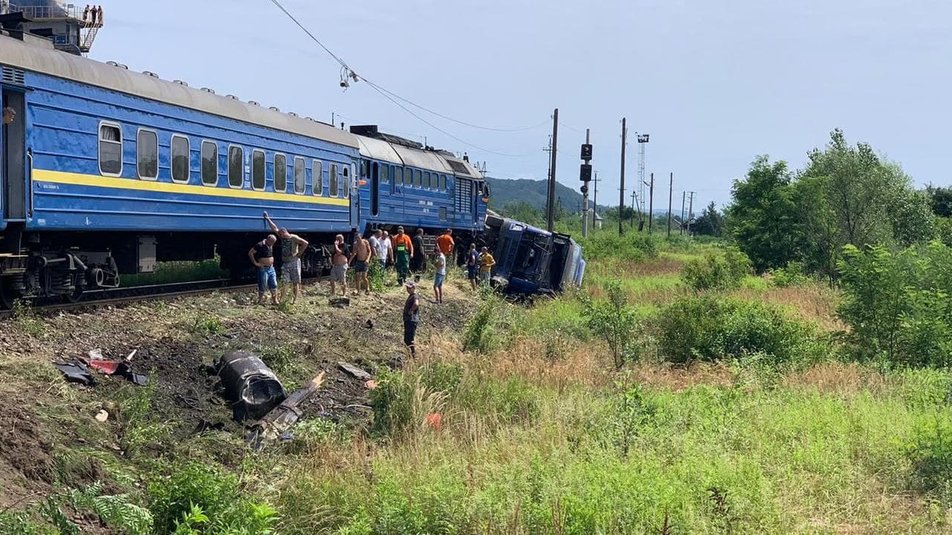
(347, 71)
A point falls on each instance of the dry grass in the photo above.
(842, 378)
(813, 303)
(555, 363)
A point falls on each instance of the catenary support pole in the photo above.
(621, 188)
(670, 198)
(550, 204)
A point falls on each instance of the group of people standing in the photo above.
(406, 254)
(92, 15)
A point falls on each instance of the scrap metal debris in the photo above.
(249, 384)
(122, 368)
(276, 424)
(75, 372)
(354, 371)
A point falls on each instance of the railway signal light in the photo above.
(585, 172)
(586, 151)
(584, 188)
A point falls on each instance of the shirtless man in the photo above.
(292, 247)
(339, 265)
(262, 256)
(360, 259)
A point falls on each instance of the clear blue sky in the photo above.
(714, 83)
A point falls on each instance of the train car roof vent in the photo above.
(123, 66)
(232, 97)
(208, 90)
(254, 103)
(150, 73)
(292, 114)
(113, 63)
(311, 119)
(274, 108)
(180, 82)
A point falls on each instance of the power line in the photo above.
(348, 71)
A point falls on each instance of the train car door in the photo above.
(375, 189)
(13, 156)
(350, 179)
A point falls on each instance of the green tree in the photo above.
(711, 222)
(940, 200)
(847, 195)
(763, 217)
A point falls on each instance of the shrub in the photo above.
(483, 333)
(713, 327)
(715, 271)
(791, 275)
(931, 456)
(614, 321)
(197, 488)
(401, 401)
(897, 304)
(609, 244)
(116, 511)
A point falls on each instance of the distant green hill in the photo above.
(533, 192)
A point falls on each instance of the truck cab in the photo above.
(530, 260)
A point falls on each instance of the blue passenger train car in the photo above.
(106, 170)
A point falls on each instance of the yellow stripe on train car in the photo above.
(79, 179)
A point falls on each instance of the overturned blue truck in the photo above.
(532, 261)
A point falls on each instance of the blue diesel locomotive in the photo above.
(104, 172)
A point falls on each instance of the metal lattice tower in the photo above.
(642, 169)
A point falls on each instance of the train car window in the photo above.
(257, 170)
(332, 186)
(427, 180)
(442, 213)
(110, 149)
(209, 163)
(398, 175)
(280, 173)
(385, 173)
(443, 182)
(180, 159)
(363, 168)
(147, 154)
(417, 178)
(317, 169)
(300, 178)
(236, 166)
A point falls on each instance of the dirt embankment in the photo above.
(44, 419)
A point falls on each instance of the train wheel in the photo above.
(77, 292)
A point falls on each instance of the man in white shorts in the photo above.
(292, 248)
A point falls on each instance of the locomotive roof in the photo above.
(440, 161)
(15, 53)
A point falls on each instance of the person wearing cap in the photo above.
(402, 250)
(411, 317)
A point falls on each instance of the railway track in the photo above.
(133, 294)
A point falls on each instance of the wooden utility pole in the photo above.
(690, 210)
(651, 204)
(681, 226)
(634, 203)
(670, 196)
(550, 202)
(621, 196)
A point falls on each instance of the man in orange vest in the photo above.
(402, 251)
